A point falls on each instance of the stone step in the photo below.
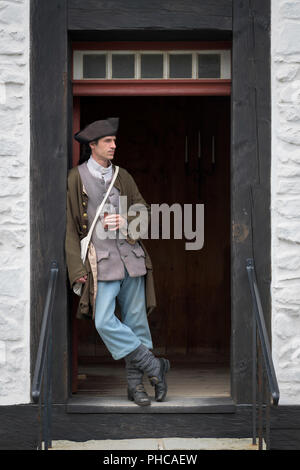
(174, 443)
(176, 404)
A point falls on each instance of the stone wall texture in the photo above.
(14, 203)
(285, 188)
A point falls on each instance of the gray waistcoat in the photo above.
(114, 252)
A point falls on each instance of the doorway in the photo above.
(178, 150)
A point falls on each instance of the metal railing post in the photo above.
(262, 365)
(260, 398)
(42, 380)
(254, 379)
(45, 407)
(50, 386)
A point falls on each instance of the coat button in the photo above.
(84, 227)
(85, 214)
(84, 203)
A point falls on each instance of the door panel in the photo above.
(193, 287)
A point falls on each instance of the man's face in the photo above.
(105, 147)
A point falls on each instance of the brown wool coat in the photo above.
(77, 228)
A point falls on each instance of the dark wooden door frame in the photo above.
(53, 27)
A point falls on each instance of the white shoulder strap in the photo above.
(102, 203)
(84, 242)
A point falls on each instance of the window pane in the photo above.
(94, 66)
(209, 65)
(180, 65)
(122, 65)
(151, 66)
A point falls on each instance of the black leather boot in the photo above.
(135, 388)
(159, 381)
(155, 368)
(139, 395)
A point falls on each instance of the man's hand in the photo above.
(114, 221)
(82, 279)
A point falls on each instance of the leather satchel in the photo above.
(84, 242)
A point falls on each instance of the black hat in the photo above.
(97, 129)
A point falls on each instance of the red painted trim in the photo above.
(146, 45)
(76, 128)
(151, 87)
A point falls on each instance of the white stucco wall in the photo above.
(285, 188)
(14, 203)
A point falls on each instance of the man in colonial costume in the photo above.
(117, 268)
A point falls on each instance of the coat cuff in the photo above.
(76, 276)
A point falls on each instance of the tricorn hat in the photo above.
(97, 129)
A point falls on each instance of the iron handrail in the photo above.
(43, 366)
(261, 350)
(263, 335)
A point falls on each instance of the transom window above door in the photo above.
(151, 64)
